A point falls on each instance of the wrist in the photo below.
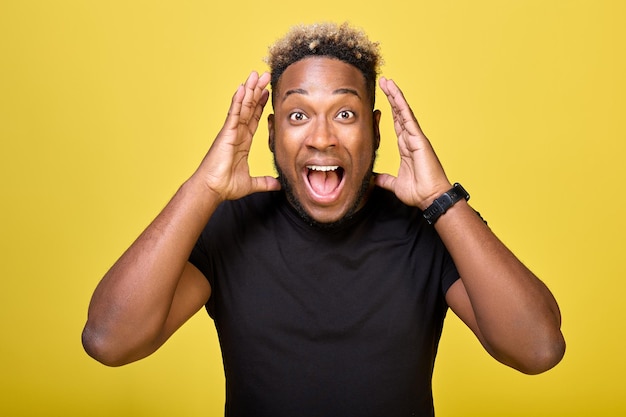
(197, 190)
(437, 192)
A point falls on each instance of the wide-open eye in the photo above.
(297, 116)
(345, 115)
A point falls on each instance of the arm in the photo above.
(152, 289)
(510, 310)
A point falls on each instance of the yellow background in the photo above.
(107, 106)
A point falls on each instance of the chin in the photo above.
(326, 219)
(320, 216)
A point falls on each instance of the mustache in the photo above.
(362, 193)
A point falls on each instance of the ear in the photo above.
(376, 123)
(270, 129)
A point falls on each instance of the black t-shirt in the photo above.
(315, 322)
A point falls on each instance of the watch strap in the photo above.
(444, 202)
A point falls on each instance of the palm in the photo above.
(420, 175)
(225, 168)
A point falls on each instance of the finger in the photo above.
(403, 114)
(254, 101)
(385, 85)
(261, 93)
(250, 98)
(258, 102)
(382, 82)
(232, 118)
(244, 98)
(258, 111)
(264, 80)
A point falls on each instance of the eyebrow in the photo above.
(337, 91)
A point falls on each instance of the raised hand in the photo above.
(151, 290)
(225, 169)
(421, 177)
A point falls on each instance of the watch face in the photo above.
(458, 188)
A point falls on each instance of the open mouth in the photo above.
(324, 180)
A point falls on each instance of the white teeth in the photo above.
(322, 167)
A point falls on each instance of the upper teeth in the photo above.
(322, 167)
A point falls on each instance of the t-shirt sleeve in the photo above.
(200, 258)
(450, 274)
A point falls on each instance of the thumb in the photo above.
(385, 181)
(263, 184)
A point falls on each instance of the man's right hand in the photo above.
(225, 170)
(152, 289)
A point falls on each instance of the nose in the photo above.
(322, 136)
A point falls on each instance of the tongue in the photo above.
(324, 182)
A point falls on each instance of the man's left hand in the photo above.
(421, 177)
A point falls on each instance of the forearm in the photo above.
(131, 303)
(517, 317)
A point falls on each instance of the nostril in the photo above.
(322, 137)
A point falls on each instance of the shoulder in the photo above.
(240, 217)
(396, 220)
(251, 205)
(386, 207)
(235, 220)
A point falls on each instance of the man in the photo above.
(328, 285)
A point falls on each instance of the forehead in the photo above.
(320, 75)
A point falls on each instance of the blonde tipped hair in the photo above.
(343, 42)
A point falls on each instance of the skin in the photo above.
(508, 308)
(322, 117)
(324, 122)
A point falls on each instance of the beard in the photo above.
(356, 204)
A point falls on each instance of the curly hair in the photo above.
(342, 42)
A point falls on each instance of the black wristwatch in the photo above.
(443, 203)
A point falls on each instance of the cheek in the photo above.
(285, 156)
(364, 151)
(287, 143)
